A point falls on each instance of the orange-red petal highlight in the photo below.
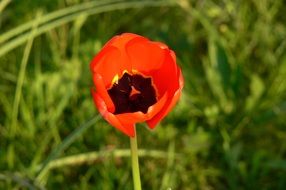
(111, 118)
(145, 56)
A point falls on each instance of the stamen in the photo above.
(115, 79)
(132, 93)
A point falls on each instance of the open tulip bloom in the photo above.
(136, 80)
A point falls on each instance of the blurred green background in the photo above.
(227, 132)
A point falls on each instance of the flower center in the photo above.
(132, 93)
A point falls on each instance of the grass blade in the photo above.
(3, 4)
(93, 156)
(64, 145)
(59, 22)
(21, 78)
(52, 16)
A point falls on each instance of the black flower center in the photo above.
(132, 93)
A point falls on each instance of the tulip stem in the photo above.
(135, 163)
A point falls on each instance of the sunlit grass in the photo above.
(227, 131)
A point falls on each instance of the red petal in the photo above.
(111, 118)
(145, 56)
(102, 91)
(172, 100)
(165, 79)
(160, 44)
(120, 41)
(106, 64)
(112, 60)
(128, 129)
(173, 55)
(156, 108)
(131, 118)
(137, 117)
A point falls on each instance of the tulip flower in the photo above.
(136, 80)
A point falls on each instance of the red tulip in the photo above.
(136, 80)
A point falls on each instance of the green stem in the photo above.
(135, 163)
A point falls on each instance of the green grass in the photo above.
(227, 131)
